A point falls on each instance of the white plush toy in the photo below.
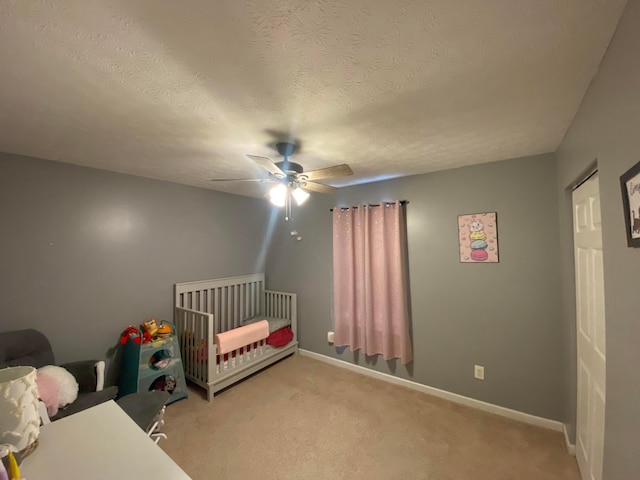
(67, 385)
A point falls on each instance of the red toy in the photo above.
(131, 332)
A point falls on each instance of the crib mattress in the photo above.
(274, 322)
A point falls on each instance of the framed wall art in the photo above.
(478, 237)
(630, 184)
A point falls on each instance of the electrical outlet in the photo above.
(330, 337)
(478, 372)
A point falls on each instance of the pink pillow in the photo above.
(49, 393)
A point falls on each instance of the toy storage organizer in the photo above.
(156, 365)
(206, 308)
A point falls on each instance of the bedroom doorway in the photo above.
(590, 328)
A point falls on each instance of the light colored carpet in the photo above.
(304, 419)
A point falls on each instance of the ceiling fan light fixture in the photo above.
(292, 182)
(300, 195)
(278, 195)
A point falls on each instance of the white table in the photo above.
(101, 442)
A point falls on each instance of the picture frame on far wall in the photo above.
(630, 185)
(478, 237)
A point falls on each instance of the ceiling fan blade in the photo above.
(337, 171)
(268, 165)
(318, 187)
(264, 180)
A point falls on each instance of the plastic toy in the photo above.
(9, 462)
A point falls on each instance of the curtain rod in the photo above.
(402, 202)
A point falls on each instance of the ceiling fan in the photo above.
(290, 178)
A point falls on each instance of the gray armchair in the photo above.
(31, 348)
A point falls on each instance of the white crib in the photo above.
(208, 307)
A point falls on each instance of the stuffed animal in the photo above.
(164, 329)
(66, 383)
(164, 382)
(131, 332)
(48, 392)
(149, 332)
(151, 328)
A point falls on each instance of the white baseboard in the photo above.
(436, 392)
(571, 448)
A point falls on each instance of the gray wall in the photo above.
(606, 128)
(85, 252)
(504, 316)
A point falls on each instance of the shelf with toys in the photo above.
(151, 360)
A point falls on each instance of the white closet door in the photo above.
(590, 329)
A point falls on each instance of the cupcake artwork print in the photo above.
(478, 237)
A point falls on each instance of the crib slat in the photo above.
(223, 310)
(216, 313)
(229, 313)
(233, 314)
(188, 349)
(202, 361)
(254, 289)
(194, 351)
(238, 305)
(197, 335)
(245, 308)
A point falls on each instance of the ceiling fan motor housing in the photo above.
(286, 149)
(291, 169)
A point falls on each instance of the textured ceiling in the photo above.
(180, 91)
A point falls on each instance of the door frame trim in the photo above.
(585, 175)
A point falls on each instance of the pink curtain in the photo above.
(370, 308)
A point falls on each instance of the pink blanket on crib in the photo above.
(241, 336)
